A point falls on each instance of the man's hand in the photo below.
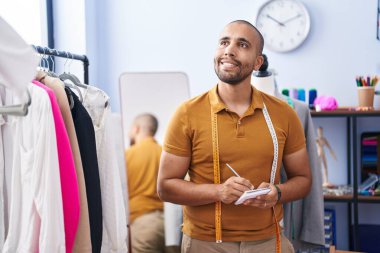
(266, 200)
(233, 188)
(172, 187)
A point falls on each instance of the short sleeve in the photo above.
(177, 138)
(295, 140)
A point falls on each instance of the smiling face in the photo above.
(238, 53)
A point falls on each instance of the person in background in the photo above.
(146, 209)
(254, 133)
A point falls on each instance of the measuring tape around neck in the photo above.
(215, 148)
(275, 144)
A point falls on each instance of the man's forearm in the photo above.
(295, 188)
(183, 192)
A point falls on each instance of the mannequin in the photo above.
(303, 219)
(263, 80)
(321, 143)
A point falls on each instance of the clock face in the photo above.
(284, 24)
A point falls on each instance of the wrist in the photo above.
(279, 192)
(217, 193)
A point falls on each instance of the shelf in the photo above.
(345, 113)
(353, 200)
(369, 199)
(342, 198)
(349, 198)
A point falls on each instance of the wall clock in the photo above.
(285, 24)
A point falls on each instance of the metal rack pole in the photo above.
(64, 54)
(349, 157)
(355, 184)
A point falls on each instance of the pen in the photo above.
(232, 170)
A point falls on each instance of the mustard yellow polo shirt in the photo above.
(142, 161)
(246, 144)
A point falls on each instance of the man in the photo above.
(146, 209)
(253, 132)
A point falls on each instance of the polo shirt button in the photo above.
(239, 122)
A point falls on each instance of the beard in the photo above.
(233, 78)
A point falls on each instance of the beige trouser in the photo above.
(190, 245)
(147, 233)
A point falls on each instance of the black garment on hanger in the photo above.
(87, 147)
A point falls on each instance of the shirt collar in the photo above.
(149, 139)
(218, 105)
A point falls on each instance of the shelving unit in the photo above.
(330, 228)
(350, 198)
(352, 168)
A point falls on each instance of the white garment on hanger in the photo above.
(2, 175)
(36, 213)
(173, 221)
(117, 130)
(18, 60)
(115, 234)
(7, 135)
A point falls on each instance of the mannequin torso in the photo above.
(265, 84)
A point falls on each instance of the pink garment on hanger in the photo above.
(69, 183)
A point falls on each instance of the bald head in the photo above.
(239, 53)
(258, 35)
(147, 123)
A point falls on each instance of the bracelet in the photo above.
(278, 193)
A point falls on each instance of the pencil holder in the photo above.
(365, 96)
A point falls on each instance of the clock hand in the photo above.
(290, 19)
(275, 20)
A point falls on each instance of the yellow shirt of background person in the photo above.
(142, 160)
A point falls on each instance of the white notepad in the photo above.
(252, 194)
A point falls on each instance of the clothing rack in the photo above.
(64, 54)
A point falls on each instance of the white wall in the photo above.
(342, 45)
(28, 18)
(107, 45)
(170, 35)
(70, 33)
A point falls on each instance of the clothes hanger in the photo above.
(51, 72)
(44, 66)
(74, 85)
(68, 76)
(17, 110)
(41, 64)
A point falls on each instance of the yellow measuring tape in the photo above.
(218, 204)
(278, 235)
(215, 154)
